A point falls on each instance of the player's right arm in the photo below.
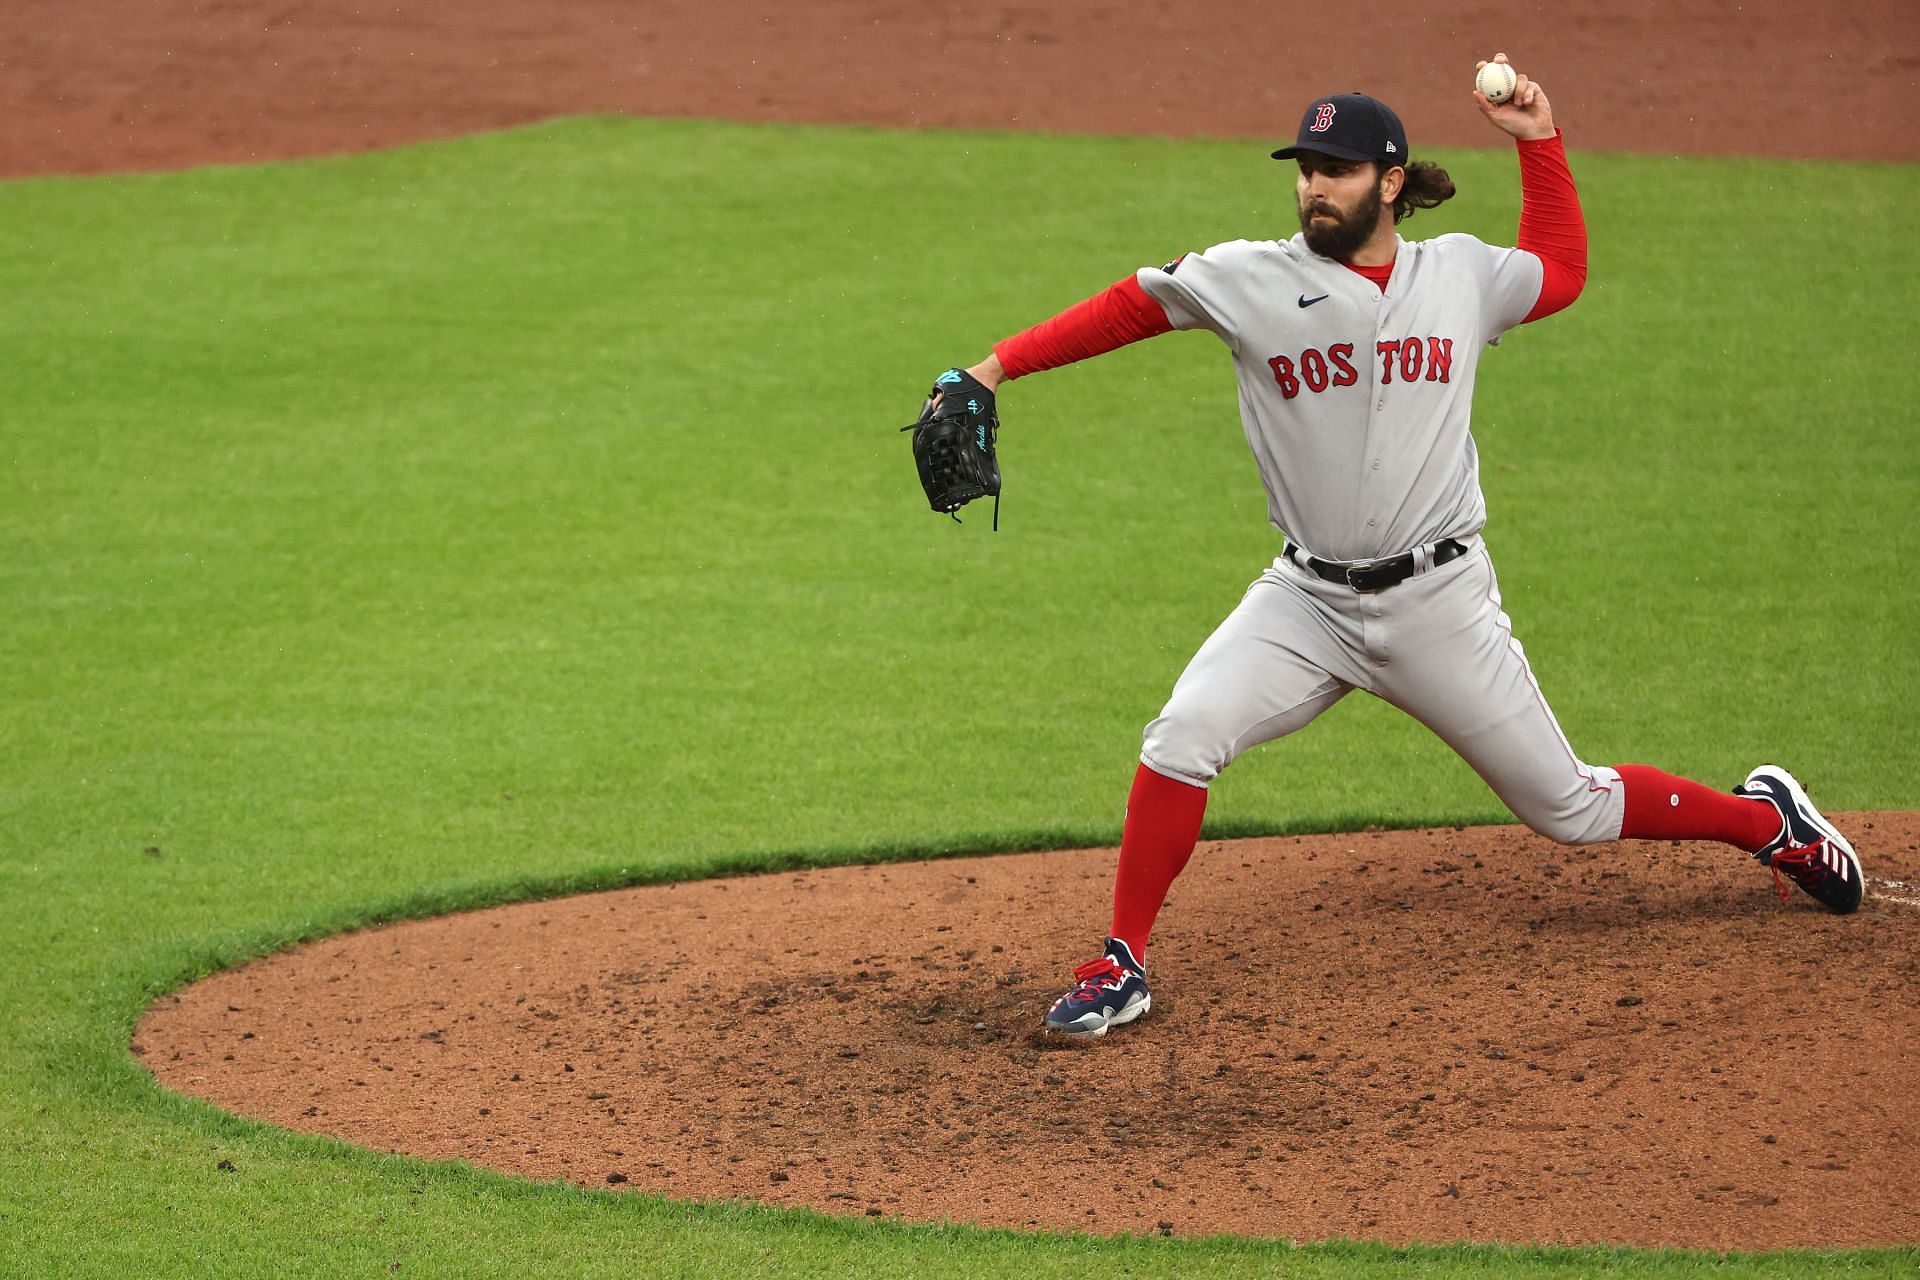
(1107, 321)
(1214, 289)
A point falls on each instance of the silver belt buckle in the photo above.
(1362, 567)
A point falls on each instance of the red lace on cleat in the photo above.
(1804, 864)
(1091, 973)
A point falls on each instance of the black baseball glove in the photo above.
(953, 444)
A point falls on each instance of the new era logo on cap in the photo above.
(1350, 126)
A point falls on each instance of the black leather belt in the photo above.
(1375, 575)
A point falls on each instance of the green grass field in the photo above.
(481, 520)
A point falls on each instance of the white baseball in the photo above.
(1496, 80)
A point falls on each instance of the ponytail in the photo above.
(1426, 186)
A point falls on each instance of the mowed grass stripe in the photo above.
(421, 529)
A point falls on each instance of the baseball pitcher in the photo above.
(1355, 351)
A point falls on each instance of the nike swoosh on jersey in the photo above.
(1305, 301)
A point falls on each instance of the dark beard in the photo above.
(1341, 239)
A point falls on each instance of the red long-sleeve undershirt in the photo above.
(1551, 228)
(1105, 322)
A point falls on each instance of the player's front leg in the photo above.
(1108, 992)
(1257, 677)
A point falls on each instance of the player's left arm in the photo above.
(1552, 227)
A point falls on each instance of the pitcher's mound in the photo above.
(1463, 1034)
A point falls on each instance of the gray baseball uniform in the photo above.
(1356, 403)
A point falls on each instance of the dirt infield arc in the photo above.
(1463, 1034)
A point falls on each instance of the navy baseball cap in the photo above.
(1350, 126)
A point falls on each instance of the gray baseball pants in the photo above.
(1438, 646)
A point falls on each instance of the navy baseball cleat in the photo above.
(1809, 850)
(1107, 992)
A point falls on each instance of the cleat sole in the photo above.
(1087, 1032)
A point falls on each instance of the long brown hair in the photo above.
(1426, 185)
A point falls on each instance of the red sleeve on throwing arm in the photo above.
(1102, 323)
(1551, 226)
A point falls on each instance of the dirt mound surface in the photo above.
(1463, 1034)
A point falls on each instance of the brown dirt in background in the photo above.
(90, 86)
(1403, 1036)
(1463, 1034)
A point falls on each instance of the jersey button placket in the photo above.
(1379, 388)
(1379, 327)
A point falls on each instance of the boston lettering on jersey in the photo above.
(1414, 359)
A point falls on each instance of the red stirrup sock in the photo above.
(1663, 807)
(1163, 823)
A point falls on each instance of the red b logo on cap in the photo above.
(1324, 120)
